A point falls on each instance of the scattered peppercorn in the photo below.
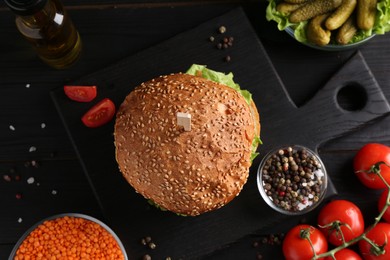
(222, 29)
(31, 180)
(151, 245)
(35, 164)
(146, 257)
(7, 178)
(267, 240)
(223, 43)
(147, 241)
(18, 196)
(293, 178)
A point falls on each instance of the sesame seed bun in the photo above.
(186, 172)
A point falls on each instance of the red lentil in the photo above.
(69, 238)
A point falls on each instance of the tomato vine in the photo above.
(375, 248)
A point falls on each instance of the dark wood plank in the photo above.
(282, 122)
(122, 28)
(26, 108)
(45, 189)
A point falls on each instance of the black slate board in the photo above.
(193, 237)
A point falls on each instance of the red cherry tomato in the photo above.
(380, 235)
(366, 157)
(381, 204)
(347, 214)
(295, 247)
(345, 254)
(81, 93)
(99, 114)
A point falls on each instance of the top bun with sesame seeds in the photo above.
(186, 172)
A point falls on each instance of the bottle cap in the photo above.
(25, 7)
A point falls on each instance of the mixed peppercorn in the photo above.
(293, 178)
(223, 42)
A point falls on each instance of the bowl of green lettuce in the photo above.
(298, 30)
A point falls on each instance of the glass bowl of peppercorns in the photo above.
(292, 179)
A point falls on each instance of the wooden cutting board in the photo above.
(319, 120)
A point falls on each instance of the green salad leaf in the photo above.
(226, 79)
(271, 14)
(382, 22)
(255, 143)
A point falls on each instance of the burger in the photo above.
(187, 170)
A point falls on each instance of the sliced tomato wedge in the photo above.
(99, 114)
(81, 93)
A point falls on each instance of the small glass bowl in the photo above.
(332, 47)
(288, 183)
(76, 215)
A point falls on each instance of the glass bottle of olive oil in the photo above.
(48, 27)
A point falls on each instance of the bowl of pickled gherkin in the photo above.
(292, 179)
(331, 24)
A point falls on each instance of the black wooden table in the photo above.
(41, 173)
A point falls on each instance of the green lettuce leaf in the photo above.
(382, 22)
(272, 15)
(226, 79)
(255, 143)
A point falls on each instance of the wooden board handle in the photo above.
(329, 120)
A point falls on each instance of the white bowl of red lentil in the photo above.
(69, 235)
(292, 179)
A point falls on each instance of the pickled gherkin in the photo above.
(366, 12)
(347, 31)
(341, 14)
(316, 33)
(313, 8)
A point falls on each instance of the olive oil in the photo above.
(48, 27)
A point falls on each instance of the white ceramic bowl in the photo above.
(76, 215)
(276, 185)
